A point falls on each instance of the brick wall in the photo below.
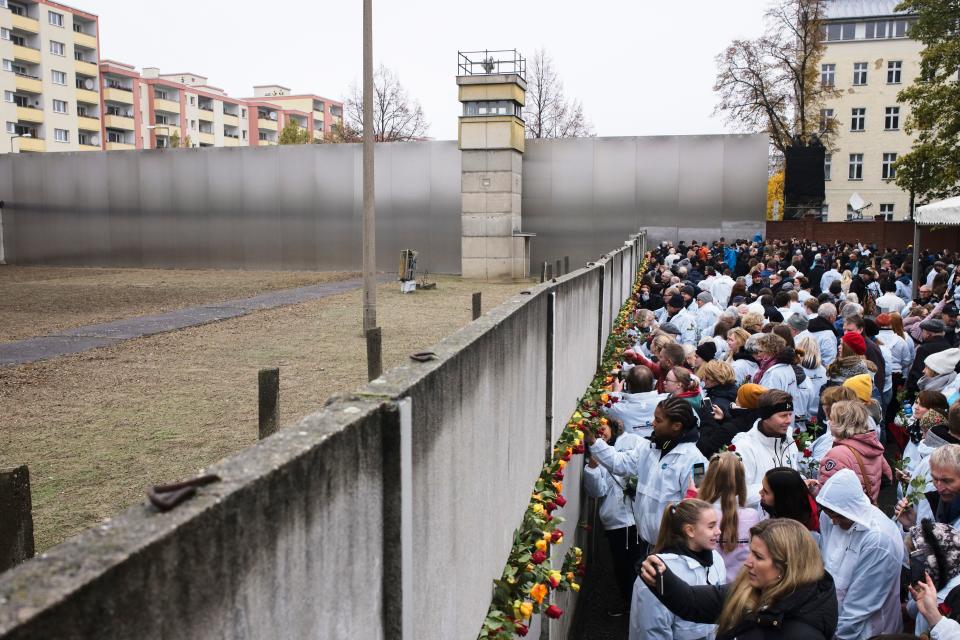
(883, 234)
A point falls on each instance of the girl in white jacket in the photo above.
(687, 544)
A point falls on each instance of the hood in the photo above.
(844, 368)
(867, 444)
(723, 391)
(819, 324)
(743, 354)
(844, 494)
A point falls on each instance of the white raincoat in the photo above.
(761, 453)
(616, 510)
(651, 620)
(864, 560)
(635, 410)
(660, 481)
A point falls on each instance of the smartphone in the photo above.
(699, 470)
(660, 587)
(708, 406)
(918, 568)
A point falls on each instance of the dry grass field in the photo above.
(98, 427)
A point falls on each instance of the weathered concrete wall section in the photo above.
(385, 515)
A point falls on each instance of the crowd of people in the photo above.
(774, 393)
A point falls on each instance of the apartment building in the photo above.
(59, 95)
(869, 58)
(49, 79)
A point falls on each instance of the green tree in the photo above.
(293, 133)
(174, 140)
(931, 170)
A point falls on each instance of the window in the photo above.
(59, 77)
(244, 134)
(887, 170)
(77, 55)
(18, 10)
(59, 106)
(858, 118)
(84, 138)
(243, 113)
(4, 33)
(56, 48)
(894, 67)
(491, 108)
(839, 31)
(8, 65)
(859, 73)
(193, 100)
(54, 18)
(891, 120)
(21, 101)
(886, 210)
(828, 74)
(160, 118)
(77, 27)
(8, 96)
(193, 125)
(114, 136)
(81, 110)
(826, 117)
(856, 166)
(61, 135)
(160, 94)
(20, 41)
(827, 165)
(11, 127)
(262, 136)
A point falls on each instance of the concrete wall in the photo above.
(384, 515)
(300, 207)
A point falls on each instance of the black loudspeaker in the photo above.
(803, 184)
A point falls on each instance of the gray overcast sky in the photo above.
(640, 67)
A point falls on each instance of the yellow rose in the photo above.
(526, 610)
(575, 586)
(541, 545)
(538, 508)
(547, 535)
(604, 397)
(562, 463)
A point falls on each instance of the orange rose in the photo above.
(538, 592)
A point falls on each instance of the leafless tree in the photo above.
(548, 113)
(773, 83)
(396, 116)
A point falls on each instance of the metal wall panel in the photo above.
(300, 207)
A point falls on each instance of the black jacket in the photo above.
(875, 356)
(934, 345)
(809, 613)
(714, 436)
(722, 395)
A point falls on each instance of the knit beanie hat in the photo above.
(943, 361)
(748, 395)
(676, 301)
(862, 385)
(883, 320)
(855, 341)
(707, 351)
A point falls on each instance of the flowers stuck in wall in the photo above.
(525, 587)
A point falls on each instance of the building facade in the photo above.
(59, 95)
(869, 58)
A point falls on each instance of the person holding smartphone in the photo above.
(937, 545)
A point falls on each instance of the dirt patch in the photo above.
(41, 300)
(96, 428)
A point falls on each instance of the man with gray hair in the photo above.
(943, 502)
(798, 325)
(707, 315)
(822, 330)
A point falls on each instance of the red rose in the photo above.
(558, 475)
(567, 455)
(731, 448)
(561, 501)
(538, 557)
(579, 448)
(520, 628)
(548, 517)
(944, 609)
(550, 506)
(807, 453)
(614, 400)
(555, 536)
(553, 611)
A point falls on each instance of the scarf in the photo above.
(936, 383)
(765, 364)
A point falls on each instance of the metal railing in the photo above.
(491, 61)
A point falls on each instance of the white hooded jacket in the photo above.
(864, 560)
(660, 481)
(759, 454)
(651, 620)
(616, 510)
(635, 410)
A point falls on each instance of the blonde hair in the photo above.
(740, 336)
(811, 352)
(675, 518)
(752, 322)
(718, 371)
(725, 481)
(794, 554)
(848, 418)
(833, 395)
(769, 344)
(660, 342)
(684, 378)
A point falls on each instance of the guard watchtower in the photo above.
(492, 87)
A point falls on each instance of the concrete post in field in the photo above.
(492, 88)
(16, 517)
(543, 272)
(369, 214)
(559, 272)
(374, 358)
(268, 383)
(549, 271)
(566, 264)
(476, 305)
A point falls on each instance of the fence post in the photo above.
(566, 264)
(476, 305)
(268, 387)
(374, 353)
(549, 268)
(559, 264)
(543, 272)
(16, 525)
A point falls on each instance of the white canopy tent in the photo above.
(943, 213)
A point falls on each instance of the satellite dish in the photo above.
(95, 140)
(88, 84)
(856, 202)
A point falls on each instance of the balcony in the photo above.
(28, 84)
(268, 125)
(28, 114)
(86, 68)
(87, 123)
(24, 23)
(159, 104)
(230, 141)
(90, 97)
(27, 54)
(84, 40)
(119, 122)
(120, 146)
(88, 147)
(205, 116)
(30, 144)
(116, 95)
(231, 120)
(205, 138)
